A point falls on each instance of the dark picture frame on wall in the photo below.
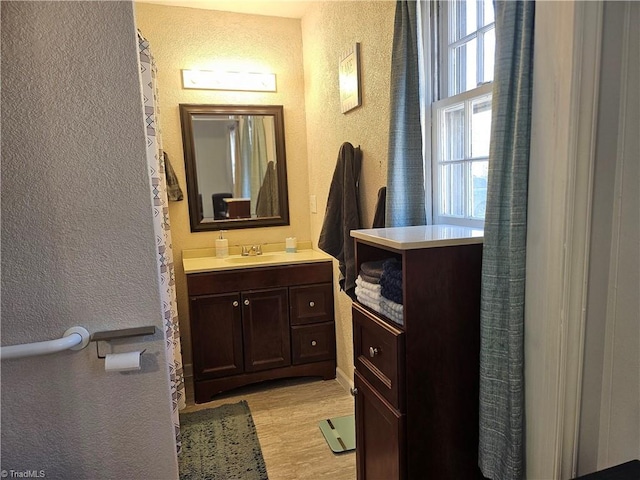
(350, 90)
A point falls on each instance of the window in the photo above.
(462, 57)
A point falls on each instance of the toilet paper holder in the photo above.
(109, 335)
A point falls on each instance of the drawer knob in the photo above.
(246, 302)
(354, 391)
(235, 303)
(313, 343)
(312, 304)
(374, 351)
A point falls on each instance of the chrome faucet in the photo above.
(251, 250)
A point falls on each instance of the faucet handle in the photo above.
(258, 249)
(245, 251)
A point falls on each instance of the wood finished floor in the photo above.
(286, 414)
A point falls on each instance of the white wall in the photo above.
(610, 417)
(567, 137)
(547, 216)
(328, 29)
(78, 245)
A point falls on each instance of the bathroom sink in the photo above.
(253, 259)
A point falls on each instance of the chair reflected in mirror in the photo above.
(220, 207)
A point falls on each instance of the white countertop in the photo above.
(423, 236)
(204, 260)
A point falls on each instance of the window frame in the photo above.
(439, 26)
(437, 109)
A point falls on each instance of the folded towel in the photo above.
(372, 305)
(373, 268)
(391, 280)
(395, 318)
(391, 265)
(373, 296)
(392, 290)
(368, 285)
(393, 311)
(392, 306)
(367, 278)
(393, 274)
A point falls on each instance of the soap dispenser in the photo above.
(222, 246)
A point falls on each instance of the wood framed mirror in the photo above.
(235, 164)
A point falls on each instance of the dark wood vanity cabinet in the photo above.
(416, 384)
(256, 324)
(265, 329)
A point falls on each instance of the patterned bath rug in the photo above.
(220, 444)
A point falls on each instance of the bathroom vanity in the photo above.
(259, 318)
(416, 384)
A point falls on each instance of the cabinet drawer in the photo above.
(311, 304)
(379, 355)
(313, 343)
(256, 278)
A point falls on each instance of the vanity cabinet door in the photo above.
(380, 435)
(265, 322)
(216, 335)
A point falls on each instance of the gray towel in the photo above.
(380, 214)
(174, 192)
(343, 215)
(267, 204)
(372, 268)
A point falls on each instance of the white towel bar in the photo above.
(76, 338)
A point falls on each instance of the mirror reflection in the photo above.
(235, 165)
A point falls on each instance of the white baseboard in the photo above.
(344, 380)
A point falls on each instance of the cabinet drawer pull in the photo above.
(374, 351)
(246, 302)
(354, 391)
(312, 304)
(313, 343)
(235, 303)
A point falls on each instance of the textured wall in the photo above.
(78, 245)
(183, 38)
(314, 126)
(329, 29)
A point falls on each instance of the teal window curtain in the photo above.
(501, 447)
(405, 201)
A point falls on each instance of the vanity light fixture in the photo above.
(218, 80)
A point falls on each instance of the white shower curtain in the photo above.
(166, 274)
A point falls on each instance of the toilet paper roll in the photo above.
(122, 362)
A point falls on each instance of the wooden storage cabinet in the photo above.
(380, 434)
(417, 384)
(257, 324)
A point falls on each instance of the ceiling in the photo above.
(282, 8)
